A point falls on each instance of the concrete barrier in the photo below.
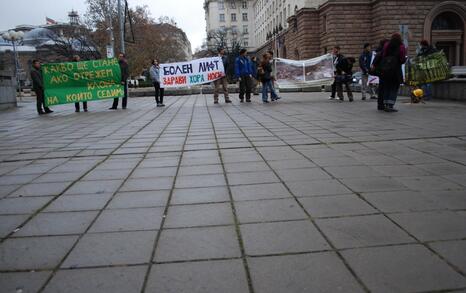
(7, 89)
(452, 89)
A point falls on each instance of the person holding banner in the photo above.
(155, 77)
(124, 69)
(222, 82)
(77, 58)
(243, 71)
(38, 88)
(425, 50)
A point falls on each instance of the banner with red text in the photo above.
(189, 73)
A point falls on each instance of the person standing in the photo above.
(124, 69)
(154, 72)
(243, 71)
(337, 57)
(267, 79)
(222, 82)
(344, 75)
(426, 49)
(255, 79)
(393, 57)
(38, 88)
(375, 70)
(365, 60)
(77, 58)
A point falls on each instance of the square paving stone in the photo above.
(128, 220)
(9, 223)
(259, 191)
(269, 210)
(246, 167)
(154, 172)
(200, 195)
(403, 201)
(428, 183)
(144, 184)
(58, 177)
(435, 225)
(451, 199)
(362, 231)
(197, 244)
(226, 276)
(452, 251)
(289, 175)
(291, 164)
(34, 253)
(107, 174)
(22, 205)
(282, 237)
(407, 268)
(352, 171)
(373, 184)
(252, 178)
(296, 274)
(317, 187)
(23, 282)
(17, 179)
(186, 161)
(200, 181)
(105, 249)
(336, 205)
(41, 189)
(57, 224)
(139, 199)
(94, 187)
(199, 215)
(400, 170)
(200, 170)
(118, 279)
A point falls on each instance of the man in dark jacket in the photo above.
(38, 87)
(337, 57)
(344, 74)
(124, 77)
(365, 65)
(243, 71)
(222, 82)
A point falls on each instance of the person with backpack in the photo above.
(265, 73)
(243, 71)
(154, 72)
(344, 75)
(393, 57)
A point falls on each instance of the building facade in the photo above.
(313, 31)
(231, 22)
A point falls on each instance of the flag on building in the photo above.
(50, 21)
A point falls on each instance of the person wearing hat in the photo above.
(222, 82)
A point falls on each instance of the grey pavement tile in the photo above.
(362, 231)
(200, 195)
(444, 168)
(428, 183)
(451, 199)
(373, 184)
(246, 167)
(22, 205)
(104, 249)
(252, 178)
(34, 253)
(193, 161)
(293, 274)
(154, 172)
(259, 191)
(407, 268)
(289, 175)
(199, 215)
(291, 164)
(400, 170)
(318, 187)
(57, 224)
(96, 280)
(10, 223)
(84, 202)
(107, 174)
(145, 184)
(435, 225)
(404, 201)
(139, 199)
(197, 244)
(200, 181)
(23, 282)
(352, 172)
(269, 210)
(200, 170)
(58, 177)
(452, 251)
(159, 162)
(7, 189)
(136, 219)
(336, 205)
(17, 179)
(94, 187)
(336, 161)
(458, 179)
(282, 237)
(41, 189)
(226, 276)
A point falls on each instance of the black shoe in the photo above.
(351, 99)
(363, 98)
(161, 105)
(390, 110)
(48, 111)
(124, 108)
(77, 111)
(227, 101)
(373, 98)
(112, 108)
(241, 100)
(248, 100)
(216, 102)
(265, 102)
(85, 110)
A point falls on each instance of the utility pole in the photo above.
(110, 29)
(121, 20)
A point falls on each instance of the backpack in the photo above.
(389, 66)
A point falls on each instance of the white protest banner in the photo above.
(184, 74)
(301, 73)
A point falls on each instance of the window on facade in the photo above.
(324, 23)
(221, 5)
(447, 21)
(222, 17)
(233, 17)
(246, 43)
(245, 29)
(245, 17)
(245, 4)
(232, 5)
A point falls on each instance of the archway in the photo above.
(445, 27)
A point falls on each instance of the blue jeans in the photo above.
(268, 85)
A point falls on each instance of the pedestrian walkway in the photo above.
(303, 195)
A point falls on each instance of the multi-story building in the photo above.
(233, 20)
(270, 16)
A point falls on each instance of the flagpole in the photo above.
(122, 27)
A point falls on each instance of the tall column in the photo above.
(458, 54)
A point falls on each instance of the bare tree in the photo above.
(77, 42)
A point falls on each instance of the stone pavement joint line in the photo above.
(303, 195)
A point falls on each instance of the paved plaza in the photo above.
(303, 195)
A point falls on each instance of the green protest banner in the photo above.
(72, 82)
(427, 69)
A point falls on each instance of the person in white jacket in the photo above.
(155, 77)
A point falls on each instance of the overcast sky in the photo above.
(189, 14)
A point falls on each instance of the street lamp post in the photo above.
(13, 37)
